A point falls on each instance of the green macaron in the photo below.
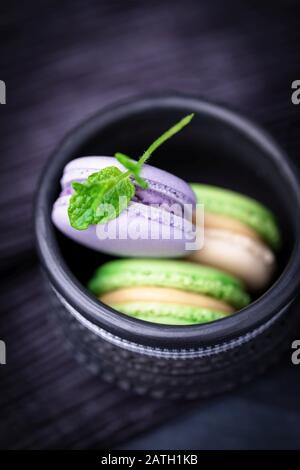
(191, 280)
(242, 208)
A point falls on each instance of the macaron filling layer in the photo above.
(163, 187)
(223, 222)
(156, 194)
(166, 305)
(164, 295)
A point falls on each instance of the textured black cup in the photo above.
(219, 147)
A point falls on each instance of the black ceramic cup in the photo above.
(220, 147)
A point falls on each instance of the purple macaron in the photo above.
(153, 225)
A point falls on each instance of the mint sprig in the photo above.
(106, 193)
(134, 167)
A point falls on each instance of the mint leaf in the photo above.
(100, 198)
(79, 187)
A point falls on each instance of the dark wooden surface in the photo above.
(62, 61)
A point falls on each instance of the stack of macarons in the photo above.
(168, 291)
(157, 220)
(240, 236)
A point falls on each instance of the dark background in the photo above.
(61, 62)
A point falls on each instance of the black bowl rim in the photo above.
(77, 296)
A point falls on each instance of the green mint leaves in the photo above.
(100, 198)
(106, 193)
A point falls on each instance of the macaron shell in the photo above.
(169, 273)
(248, 259)
(170, 238)
(169, 314)
(246, 210)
